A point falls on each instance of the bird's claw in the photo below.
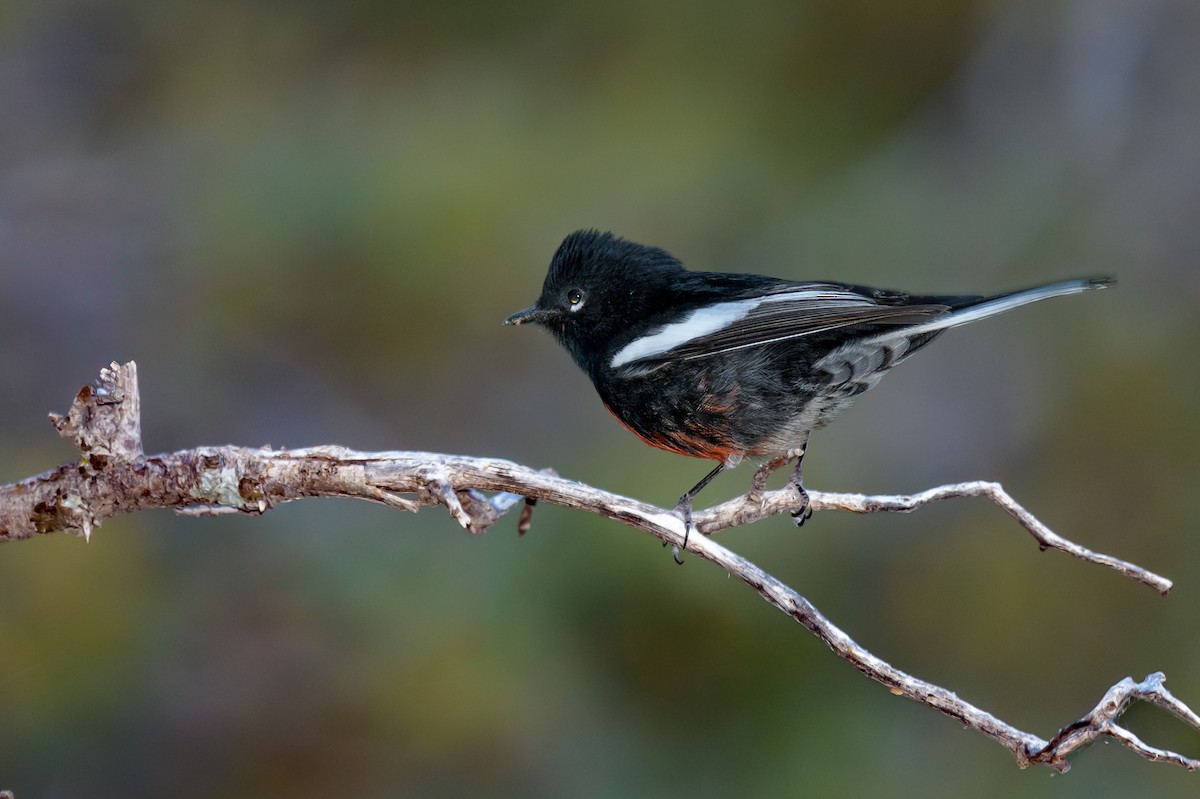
(684, 509)
(804, 512)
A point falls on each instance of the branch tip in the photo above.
(105, 418)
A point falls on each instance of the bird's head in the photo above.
(597, 287)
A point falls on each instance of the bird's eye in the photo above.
(575, 297)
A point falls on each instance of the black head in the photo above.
(598, 287)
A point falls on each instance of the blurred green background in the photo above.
(306, 221)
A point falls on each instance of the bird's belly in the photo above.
(697, 413)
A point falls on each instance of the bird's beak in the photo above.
(532, 314)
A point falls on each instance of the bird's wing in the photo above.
(778, 315)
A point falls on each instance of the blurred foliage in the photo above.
(305, 222)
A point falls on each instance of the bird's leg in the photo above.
(684, 506)
(804, 512)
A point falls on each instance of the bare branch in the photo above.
(748, 508)
(1103, 721)
(115, 478)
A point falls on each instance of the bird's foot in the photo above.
(684, 510)
(804, 512)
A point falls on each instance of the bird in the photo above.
(727, 366)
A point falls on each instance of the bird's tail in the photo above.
(990, 306)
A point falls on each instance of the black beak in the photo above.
(532, 314)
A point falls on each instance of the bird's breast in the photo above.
(690, 410)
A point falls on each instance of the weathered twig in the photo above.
(114, 477)
(744, 510)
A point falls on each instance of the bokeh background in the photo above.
(305, 222)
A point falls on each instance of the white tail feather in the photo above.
(996, 305)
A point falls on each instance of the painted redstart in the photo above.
(727, 366)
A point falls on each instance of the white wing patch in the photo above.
(700, 322)
(706, 320)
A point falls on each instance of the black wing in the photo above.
(787, 312)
